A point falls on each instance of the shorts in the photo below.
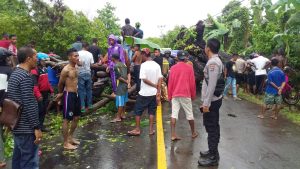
(143, 103)
(271, 99)
(121, 100)
(240, 78)
(251, 79)
(186, 104)
(71, 105)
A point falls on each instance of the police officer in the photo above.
(211, 103)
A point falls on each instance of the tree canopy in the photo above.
(54, 26)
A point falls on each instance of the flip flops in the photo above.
(133, 133)
(115, 120)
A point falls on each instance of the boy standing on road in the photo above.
(122, 83)
(181, 91)
(149, 95)
(275, 84)
(67, 88)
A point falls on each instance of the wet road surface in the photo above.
(104, 146)
(246, 143)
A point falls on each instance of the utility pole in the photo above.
(161, 28)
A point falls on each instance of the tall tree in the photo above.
(107, 16)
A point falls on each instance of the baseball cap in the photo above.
(146, 50)
(181, 55)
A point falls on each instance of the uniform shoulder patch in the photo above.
(212, 67)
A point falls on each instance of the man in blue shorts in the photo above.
(149, 94)
(122, 83)
(275, 84)
(67, 88)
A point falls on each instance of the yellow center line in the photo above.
(161, 150)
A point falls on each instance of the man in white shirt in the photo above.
(261, 63)
(240, 64)
(85, 77)
(149, 94)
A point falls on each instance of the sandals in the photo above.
(116, 120)
(2, 164)
(133, 133)
(261, 116)
(152, 133)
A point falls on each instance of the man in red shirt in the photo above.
(181, 91)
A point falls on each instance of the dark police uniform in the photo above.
(212, 71)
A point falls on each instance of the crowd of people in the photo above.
(26, 79)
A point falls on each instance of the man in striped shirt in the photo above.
(27, 133)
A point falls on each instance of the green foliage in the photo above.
(8, 145)
(236, 18)
(215, 29)
(262, 38)
(169, 39)
(52, 27)
(155, 40)
(107, 16)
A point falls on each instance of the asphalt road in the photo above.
(246, 143)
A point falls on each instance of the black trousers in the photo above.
(43, 108)
(137, 80)
(212, 127)
(259, 83)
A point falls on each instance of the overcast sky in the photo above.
(156, 16)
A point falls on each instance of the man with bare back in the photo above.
(67, 88)
(137, 60)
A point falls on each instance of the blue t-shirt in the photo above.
(276, 76)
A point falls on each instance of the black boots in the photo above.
(208, 159)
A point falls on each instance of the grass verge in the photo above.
(289, 113)
(54, 121)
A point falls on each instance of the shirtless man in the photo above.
(137, 60)
(67, 87)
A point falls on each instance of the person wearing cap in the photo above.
(42, 88)
(149, 95)
(5, 72)
(211, 103)
(181, 91)
(138, 32)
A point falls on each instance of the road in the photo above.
(246, 143)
